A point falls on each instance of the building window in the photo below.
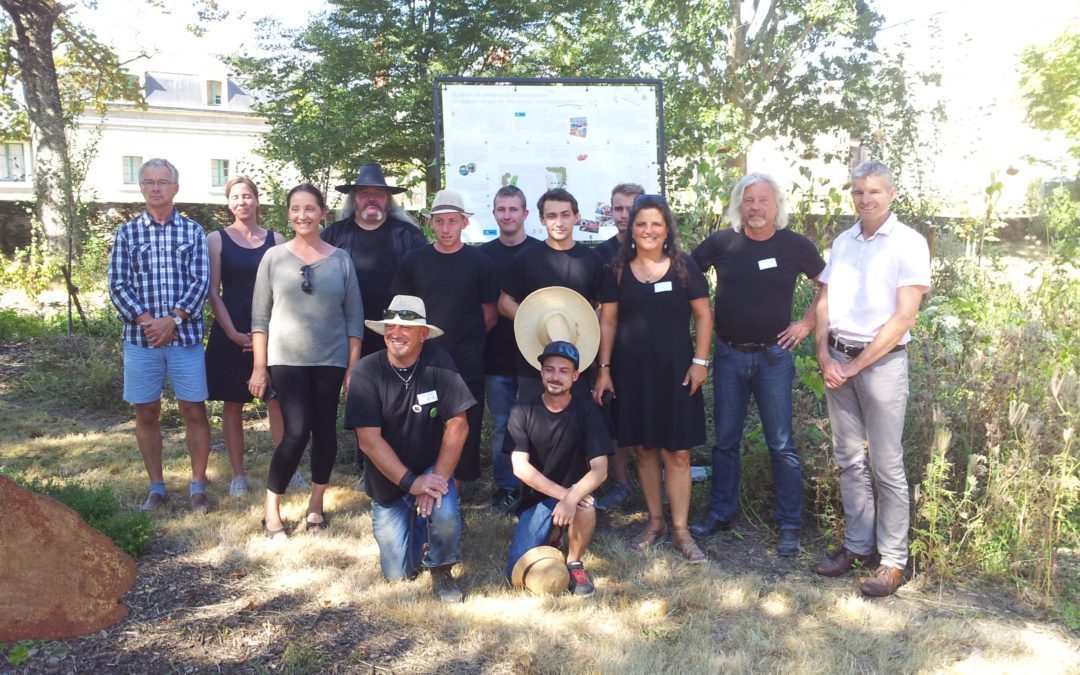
(219, 172)
(131, 169)
(213, 92)
(13, 167)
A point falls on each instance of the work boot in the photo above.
(442, 582)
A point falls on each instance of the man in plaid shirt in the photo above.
(159, 273)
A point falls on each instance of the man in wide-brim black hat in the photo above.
(377, 233)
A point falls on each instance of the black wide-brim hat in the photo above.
(371, 175)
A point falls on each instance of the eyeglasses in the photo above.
(155, 183)
(642, 198)
(305, 285)
(403, 314)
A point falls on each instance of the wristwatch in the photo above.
(701, 362)
(177, 320)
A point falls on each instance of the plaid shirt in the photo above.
(156, 267)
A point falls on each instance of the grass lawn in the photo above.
(213, 594)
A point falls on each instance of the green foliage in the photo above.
(356, 84)
(302, 660)
(19, 654)
(1059, 216)
(1050, 82)
(86, 372)
(99, 507)
(31, 269)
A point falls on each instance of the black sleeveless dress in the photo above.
(228, 367)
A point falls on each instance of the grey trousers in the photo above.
(868, 412)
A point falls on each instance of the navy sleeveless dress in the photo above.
(228, 367)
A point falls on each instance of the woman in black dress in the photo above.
(235, 253)
(649, 362)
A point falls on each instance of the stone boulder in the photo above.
(59, 577)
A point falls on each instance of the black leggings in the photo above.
(308, 397)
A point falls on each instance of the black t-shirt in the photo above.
(578, 269)
(378, 398)
(375, 261)
(500, 345)
(608, 250)
(453, 286)
(560, 445)
(755, 281)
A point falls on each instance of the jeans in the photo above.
(867, 419)
(401, 535)
(533, 529)
(769, 375)
(501, 392)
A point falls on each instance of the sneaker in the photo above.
(883, 582)
(614, 498)
(442, 582)
(504, 501)
(199, 503)
(238, 486)
(788, 544)
(299, 482)
(580, 585)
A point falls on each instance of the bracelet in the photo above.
(603, 365)
(407, 480)
(700, 362)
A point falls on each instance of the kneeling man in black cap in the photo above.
(560, 448)
(407, 404)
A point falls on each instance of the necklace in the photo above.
(405, 380)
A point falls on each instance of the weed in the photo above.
(302, 660)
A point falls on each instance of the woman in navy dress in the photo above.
(235, 254)
(649, 362)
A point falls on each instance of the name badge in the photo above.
(662, 287)
(427, 397)
(766, 264)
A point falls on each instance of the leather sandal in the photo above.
(649, 536)
(315, 526)
(682, 542)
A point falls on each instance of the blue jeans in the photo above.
(401, 535)
(769, 375)
(533, 529)
(501, 392)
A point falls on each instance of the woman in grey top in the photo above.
(307, 320)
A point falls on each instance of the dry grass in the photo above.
(214, 592)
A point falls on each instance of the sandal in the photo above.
(682, 542)
(274, 535)
(315, 527)
(649, 536)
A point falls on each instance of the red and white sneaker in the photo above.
(580, 585)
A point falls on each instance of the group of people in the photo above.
(580, 354)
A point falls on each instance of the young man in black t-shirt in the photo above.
(407, 405)
(560, 449)
(457, 284)
(500, 349)
(559, 262)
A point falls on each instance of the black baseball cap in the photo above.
(560, 348)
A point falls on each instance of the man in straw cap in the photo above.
(560, 442)
(407, 405)
(457, 284)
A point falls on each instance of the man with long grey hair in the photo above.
(877, 274)
(757, 262)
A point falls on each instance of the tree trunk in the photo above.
(53, 195)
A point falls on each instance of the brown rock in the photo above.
(59, 577)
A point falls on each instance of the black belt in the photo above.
(749, 347)
(853, 351)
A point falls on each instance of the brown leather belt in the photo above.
(852, 351)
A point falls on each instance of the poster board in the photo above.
(585, 136)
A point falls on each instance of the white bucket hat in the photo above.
(404, 310)
(447, 201)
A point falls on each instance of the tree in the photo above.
(356, 84)
(736, 71)
(61, 69)
(1050, 81)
